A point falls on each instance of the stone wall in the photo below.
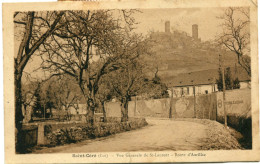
(150, 108)
(182, 107)
(238, 108)
(209, 106)
(238, 103)
(206, 106)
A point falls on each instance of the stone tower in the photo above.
(167, 26)
(195, 34)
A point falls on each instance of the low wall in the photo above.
(78, 132)
(33, 133)
(57, 133)
(30, 135)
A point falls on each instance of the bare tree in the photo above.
(28, 92)
(236, 34)
(33, 87)
(64, 94)
(127, 82)
(87, 37)
(35, 29)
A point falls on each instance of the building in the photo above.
(202, 82)
(195, 32)
(167, 27)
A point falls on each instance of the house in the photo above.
(203, 82)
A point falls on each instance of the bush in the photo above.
(81, 132)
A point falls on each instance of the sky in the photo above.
(182, 20)
(154, 20)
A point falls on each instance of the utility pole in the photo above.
(135, 106)
(224, 88)
(194, 95)
(171, 99)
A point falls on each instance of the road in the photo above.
(159, 135)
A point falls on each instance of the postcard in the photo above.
(131, 81)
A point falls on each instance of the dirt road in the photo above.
(159, 135)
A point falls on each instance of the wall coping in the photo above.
(52, 123)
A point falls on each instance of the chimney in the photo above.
(195, 34)
(167, 26)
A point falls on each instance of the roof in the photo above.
(204, 77)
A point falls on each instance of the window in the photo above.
(206, 91)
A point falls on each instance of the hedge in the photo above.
(79, 132)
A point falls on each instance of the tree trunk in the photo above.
(51, 115)
(20, 63)
(104, 111)
(91, 110)
(18, 111)
(124, 109)
(91, 115)
(44, 111)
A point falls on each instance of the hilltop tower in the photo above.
(167, 26)
(195, 32)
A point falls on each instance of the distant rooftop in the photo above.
(204, 77)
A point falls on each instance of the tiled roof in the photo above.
(204, 77)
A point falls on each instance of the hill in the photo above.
(177, 53)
